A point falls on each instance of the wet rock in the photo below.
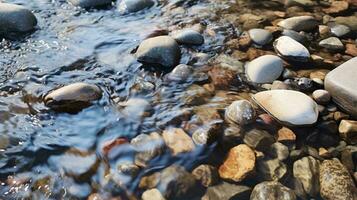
(176, 183)
(350, 21)
(332, 43)
(321, 96)
(279, 151)
(207, 134)
(153, 194)
(269, 169)
(340, 30)
(279, 85)
(129, 169)
(348, 131)
(223, 78)
(335, 181)
(239, 163)
(188, 36)
(264, 69)
(300, 23)
(181, 73)
(295, 35)
(307, 171)
(289, 107)
(260, 36)
(206, 174)
(340, 82)
(162, 50)
(90, 3)
(136, 108)
(178, 141)
(337, 7)
(15, 19)
(290, 49)
(227, 191)
(303, 3)
(147, 147)
(73, 97)
(272, 191)
(130, 6)
(240, 112)
(258, 139)
(351, 49)
(286, 136)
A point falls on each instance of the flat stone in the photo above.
(307, 171)
(240, 112)
(300, 23)
(16, 19)
(321, 96)
(350, 21)
(265, 69)
(130, 6)
(162, 50)
(239, 163)
(273, 191)
(206, 174)
(332, 43)
(290, 49)
(260, 36)
(348, 131)
(73, 97)
(341, 83)
(90, 3)
(335, 181)
(188, 36)
(178, 141)
(227, 191)
(340, 30)
(288, 106)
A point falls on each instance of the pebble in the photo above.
(206, 174)
(153, 194)
(162, 50)
(279, 151)
(227, 191)
(130, 6)
(90, 3)
(73, 97)
(258, 139)
(240, 112)
(180, 73)
(303, 3)
(348, 131)
(341, 84)
(340, 30)
(295, 35)
(332, 43)
(288, 106)
(136, 108)
(239, 163)
(273, 191)
(286, 136)
(290, 49)
(300, 23)
(269, 169)
(264, 69)
(16, 19)
(335, 181)
(178, 141)
(188, 37)
(260, 36)
(350, 21)
(307, 171)
(321, 96)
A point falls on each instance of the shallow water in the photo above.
(73, 45)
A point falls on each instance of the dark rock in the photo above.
(206, 174)
(258, 139)
(130, 6)
(269, 169)
(300, 23)
(272, 191)
(227, 191)
(188, 36)
(90, 3)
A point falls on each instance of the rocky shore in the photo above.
(250, 100)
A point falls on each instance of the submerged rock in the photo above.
(206, 174)
(300, 23)
(73, 97)
(335, 181)
(178, 141)
(265, 69)
(162, 50)
(180, 73)
(188, 36)
(239, 163)
(290, 49)
(341, 83)
(130, 6)
(258, 139)
(288, 106)
(90, 3)
(15, 19)
(272, 191)
(240, 112)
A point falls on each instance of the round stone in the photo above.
(260, 36)
(265, 69)
(188, 36)
(240, 112)
(332, 43)
(130, 6)
(300, 23)
(321, 96)
(340, 30)
(181, 72)
(291, 49)
(273, 191)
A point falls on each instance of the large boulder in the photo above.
(162, 50)
(15, 19)
(341, 83)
